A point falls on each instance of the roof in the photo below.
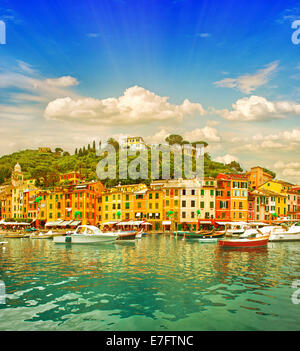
(232, 176)
(265, 192)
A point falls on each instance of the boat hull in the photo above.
(284, 237)
(85, 239)
(236, 243)
(208, 240)
(127, 236)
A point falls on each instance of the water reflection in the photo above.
(158, 281)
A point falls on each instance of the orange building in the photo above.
(258, 176)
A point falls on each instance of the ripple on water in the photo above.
(159, 283)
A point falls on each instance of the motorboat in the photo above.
(284, 233)
(251, 241)
(87, 234)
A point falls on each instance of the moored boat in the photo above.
(87, 234)
(126, 235)
(257, 241)
(208, 240)
(14, 236)
(283, 233)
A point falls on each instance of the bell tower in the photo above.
(17, 176)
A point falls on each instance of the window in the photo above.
(212, 205)
(183, 203)
(202, 204)
(212, 192)
(193, 192)
(183, 215)
(157, 195)
(193, 203)
(127, 205)
(202, 192)
(183, 192)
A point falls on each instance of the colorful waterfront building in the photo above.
(269, 204)
(258, 176)
(207, 199)
(238, 185)
(6, 204)
(292, 204)
(155, 205)
(189, 204)
(223, 198)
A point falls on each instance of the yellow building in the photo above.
(268, 204)
(277, 186)
(155, 206)
(207, 199)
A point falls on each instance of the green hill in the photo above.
(49, 166)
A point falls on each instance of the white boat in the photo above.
(87, 234)
(284, 233)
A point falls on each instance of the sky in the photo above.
(226, 72)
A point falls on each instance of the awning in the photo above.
(166, 222)
(53, 224)
(204, 222)
(75, 223)
(146, 223)
(14, 223)
(138, 214)
(137, 222)
(109, 223)
(65, 223)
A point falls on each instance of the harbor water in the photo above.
(157, 283)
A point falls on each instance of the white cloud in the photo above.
(206, 133)
(136, 106)
(256, 108)
(65, 81)
(226, 159)
(248, 83)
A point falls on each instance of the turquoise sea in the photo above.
(157, 283)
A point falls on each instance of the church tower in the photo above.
(17, 176)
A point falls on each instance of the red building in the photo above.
(223, 198)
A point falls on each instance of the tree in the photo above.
(66, 153)
(76, 151)
(114, 143)
(235, 165)
(94, 145)
(58, 150)
(200, 142)
(174, 139)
